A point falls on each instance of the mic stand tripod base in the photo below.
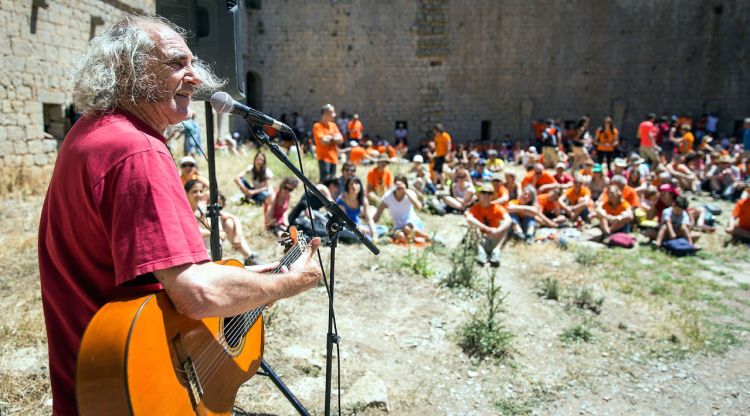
(268, 372)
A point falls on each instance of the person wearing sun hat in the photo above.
(189, 171)
(379, 179)
(492, 221)
(723, 177)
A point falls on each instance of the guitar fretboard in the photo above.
(236, 327)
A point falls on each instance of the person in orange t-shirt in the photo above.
(607, 140)
(539, 179)
(379, 179)
(685, 143)
(576, 200)
(493, 222)
(442, 145)
(189, 171)
(551, 207)
(327, 138)
(615, 214)
(739, 225)
(355, 128)
(628, 193)
(357, 153)
(501, 195)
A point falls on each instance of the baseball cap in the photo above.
(418, 158)
(597, 168)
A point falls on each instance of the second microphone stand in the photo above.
(336, 222)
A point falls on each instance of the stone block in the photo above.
(41, 159)
(3, 134)
(6, 148)
(34, 130)
(20, 148)
(15, 133)
(49, 146)
(35, 146)
(27, 160)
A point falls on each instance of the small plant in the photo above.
(462, 262)
(549, 289)
(417, 262)
(485, 336)
(577, 334)
(585, 299)
(585, 258)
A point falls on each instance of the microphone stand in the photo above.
(213, 213)
(336, 222)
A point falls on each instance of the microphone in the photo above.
(224, 103)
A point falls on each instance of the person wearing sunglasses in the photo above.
(277, 217)
(189, 171)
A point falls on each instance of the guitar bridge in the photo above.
(194, 385)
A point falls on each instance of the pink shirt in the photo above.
(115, 211)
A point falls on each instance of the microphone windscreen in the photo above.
(222, 102)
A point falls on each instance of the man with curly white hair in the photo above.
(116, 222)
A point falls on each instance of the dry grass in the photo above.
(24, 394)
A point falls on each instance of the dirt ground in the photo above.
(671, 336)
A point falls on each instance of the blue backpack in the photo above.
(679, 247)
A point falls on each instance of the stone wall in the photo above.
(507, 62)
(37, 48)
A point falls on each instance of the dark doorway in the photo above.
(486, 130)
(254, 91)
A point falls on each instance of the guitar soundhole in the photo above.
(235, 328)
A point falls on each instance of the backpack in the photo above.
(623, 240)
(679, 247)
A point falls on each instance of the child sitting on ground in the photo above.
(675, 222)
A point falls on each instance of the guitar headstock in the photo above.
(293, 237)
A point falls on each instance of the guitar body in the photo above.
(141, 357)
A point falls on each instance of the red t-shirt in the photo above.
(115, 212)
(645, 130)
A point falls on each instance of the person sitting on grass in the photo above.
(462, 191)
(354, 203)
(493, 222)
(523, 213)
(562, 177)
(541, 180)
(739, 225)
(501, 195)
(576, 200)
(277, 216)
(550, 206)
(255, 182)
(675, 222)
(615, 214)
(512, 185)
(189, 171)
(402, 204)
(628, 193)
(379, 179)
(230, 226)
(598, 183)
(423, 184)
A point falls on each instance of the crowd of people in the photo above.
(583, 178)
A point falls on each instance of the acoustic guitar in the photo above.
(141, 357)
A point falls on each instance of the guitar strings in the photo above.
(237, 325)
(232, 333)
(241, 323)
(237, 328)
(222, 356)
